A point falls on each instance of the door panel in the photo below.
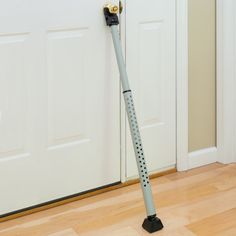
(67, 97)
(59, 101)
(150, 57)
(13, 94)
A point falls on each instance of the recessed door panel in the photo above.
(150, 55)
(13, 93)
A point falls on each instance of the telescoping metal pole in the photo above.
(152, 223)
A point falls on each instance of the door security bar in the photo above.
(152, 223)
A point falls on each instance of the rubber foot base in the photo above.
(152, 224)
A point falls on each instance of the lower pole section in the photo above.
(151, 223)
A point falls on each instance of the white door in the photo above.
(150, 57)
(59, 101)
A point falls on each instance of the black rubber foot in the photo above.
(152, 224)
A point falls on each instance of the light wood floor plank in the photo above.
(189, 203)
(220, 224)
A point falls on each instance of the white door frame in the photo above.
(225, 151)
(226, 73)
(186, 160)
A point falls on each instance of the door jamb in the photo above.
(226, 97)
(123, 123)
(182, 85)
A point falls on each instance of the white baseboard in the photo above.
(202, 157)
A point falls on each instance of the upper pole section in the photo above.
(110, 13)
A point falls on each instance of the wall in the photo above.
(202, 74)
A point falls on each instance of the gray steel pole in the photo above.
(151, 223)
(133, 124)
(119, 58)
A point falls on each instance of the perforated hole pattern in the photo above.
(137, 139)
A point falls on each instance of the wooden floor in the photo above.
(198, 202)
